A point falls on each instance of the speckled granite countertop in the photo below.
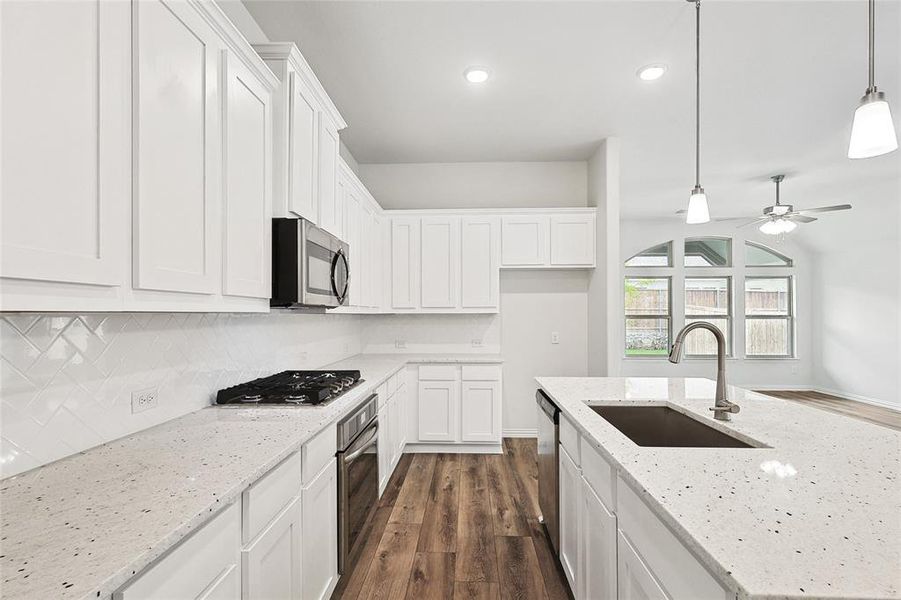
(815, 515)
(82, 526)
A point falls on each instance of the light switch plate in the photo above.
(555, 337)
(400, 344)
(143, 400)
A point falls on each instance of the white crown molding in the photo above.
(235, 41)
(289, 52)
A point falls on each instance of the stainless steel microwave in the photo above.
(309, 266)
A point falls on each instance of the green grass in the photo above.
(642, 352)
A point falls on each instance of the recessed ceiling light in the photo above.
(476, 74)
(651, 72)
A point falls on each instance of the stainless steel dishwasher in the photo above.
(548, 465)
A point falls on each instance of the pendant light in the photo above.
(697, 202)
(872, 132)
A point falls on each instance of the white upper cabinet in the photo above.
(564, 238)
(247, 194)
(573, 239)
(479, 262)
(66, 85)
(404, 262)
(176, 129)
(525, 240)
(440, 261)
(306, 126)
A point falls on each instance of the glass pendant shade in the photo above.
(873, 132)
(778, 226)
(697, 207)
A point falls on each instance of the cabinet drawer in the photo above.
(194, 567)
(481, 373)
(318, 452)
(269, 495)
(437, 372)
(677, 570)
(599, 474)
(569, 439)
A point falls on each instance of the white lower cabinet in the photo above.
(201, 566)
(569, 513)
(459, 404)
(480, 411)
(636, 582)
(319, 544)
(438, 408)
(384, 448)
(272, 561)
(598, 552)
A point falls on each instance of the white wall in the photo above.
(66, 380)
(534, 304)
(639, 234)
(477, 185)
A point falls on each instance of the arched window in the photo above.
(708, 283)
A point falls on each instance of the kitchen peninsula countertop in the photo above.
(82, 526)
(816, 514)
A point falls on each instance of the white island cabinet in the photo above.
(611, 544)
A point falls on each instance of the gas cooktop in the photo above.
(291, 388)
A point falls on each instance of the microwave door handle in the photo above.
(339, 255)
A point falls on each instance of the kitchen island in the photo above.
(812, 509)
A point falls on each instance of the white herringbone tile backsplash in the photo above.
(66, 380)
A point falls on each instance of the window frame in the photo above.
(730, 260)
(789, 262)
(729, 316)
(669, 257)
(788, 317)
(668, 316)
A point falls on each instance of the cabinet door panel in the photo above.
(438, 411)
(634, 580)
(480, 411)
(439, 262)
(572, 240)
(598, 546)
(570, 508)
(175, 127)
(404, 262)
(328, 175)
(65, 140)
(272, 562)
(319, 527)
(524, 240)
(479, 273)
(302, 151)
(247, 193)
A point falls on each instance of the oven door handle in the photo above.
(349, 458)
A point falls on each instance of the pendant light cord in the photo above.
(871, 87)
(698, 92)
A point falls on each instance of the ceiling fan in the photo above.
(783, 218)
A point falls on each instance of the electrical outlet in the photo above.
(143, 400)
(555, 337)
(477, 343)
(400, 344)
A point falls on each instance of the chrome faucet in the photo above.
(721, 407)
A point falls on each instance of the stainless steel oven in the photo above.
(309, 266)
(358, 476)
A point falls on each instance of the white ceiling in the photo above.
(780, 81)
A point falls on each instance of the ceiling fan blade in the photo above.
(822, 209)
(800, 218)
(735, 219)
(754, 222)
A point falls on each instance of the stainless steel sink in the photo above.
(661, 426)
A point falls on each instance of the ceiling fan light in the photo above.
(872, 132)
(788, 226)
(698, 212)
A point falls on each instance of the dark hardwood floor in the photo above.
(851, 408)
(458, 527)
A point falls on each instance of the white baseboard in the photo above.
(431, 448)
(858, 398)
(520, 433)
(790, 387)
